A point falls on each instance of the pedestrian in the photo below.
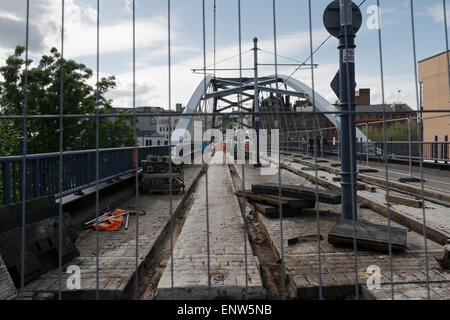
(318, 145)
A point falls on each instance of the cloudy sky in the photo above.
(187, 51)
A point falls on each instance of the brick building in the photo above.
(435, 95)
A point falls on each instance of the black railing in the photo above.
(78, 171)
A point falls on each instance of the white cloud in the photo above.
(128, 6)
(81, 40)
(80, 29)
(184, 82)
(436, 12)
(151, 39)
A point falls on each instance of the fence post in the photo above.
(339, 144)
(87, 172)
(360, 148)
(6, 183)
(435, 148)
(390, 147)
(445, 156)
(118, 164)
(36, 178)
(109, 158)
(21, 182)
(78, 160)
(322, 147)
(410, 146)
(367, 145)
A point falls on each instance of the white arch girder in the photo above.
(321, 104)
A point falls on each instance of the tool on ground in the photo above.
(132, 212)
(127, 221)
(99, 218)
(112, 222)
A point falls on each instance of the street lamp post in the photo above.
(347, 103)
(255, 117)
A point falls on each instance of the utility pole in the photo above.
(342, 18)
(347, 104)
(255, 116)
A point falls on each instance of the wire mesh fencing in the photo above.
(238, 126)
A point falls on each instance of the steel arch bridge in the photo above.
(213, 91)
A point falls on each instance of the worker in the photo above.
(318, 145)
(311, 145)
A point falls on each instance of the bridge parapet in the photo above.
(79, 171)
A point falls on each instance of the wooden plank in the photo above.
(266, 209)
(404, 201)
(368, 236)
(274, 211)
(360, 186)
(402, 219)
(368, 170)
(408, 187)
(262, 198)
(335, 165)
(286, 202)
(308, 169)
(299, 192)
(398, 185)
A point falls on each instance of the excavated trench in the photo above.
(265, 251)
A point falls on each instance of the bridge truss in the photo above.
(226, 98)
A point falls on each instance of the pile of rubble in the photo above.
(156, 175)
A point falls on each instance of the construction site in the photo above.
(264, 191)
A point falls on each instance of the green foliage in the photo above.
(44, 98)
(9, 138)
(397, 131)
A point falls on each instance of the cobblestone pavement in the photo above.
(226, 236)
(338, 272)
(437, 215)
(117, 250)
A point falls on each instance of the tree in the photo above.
(397, 131)
(9, 138)
(43, 98)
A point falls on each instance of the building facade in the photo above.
(155, 130)
(435, 95)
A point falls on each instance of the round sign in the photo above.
(332, 18)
